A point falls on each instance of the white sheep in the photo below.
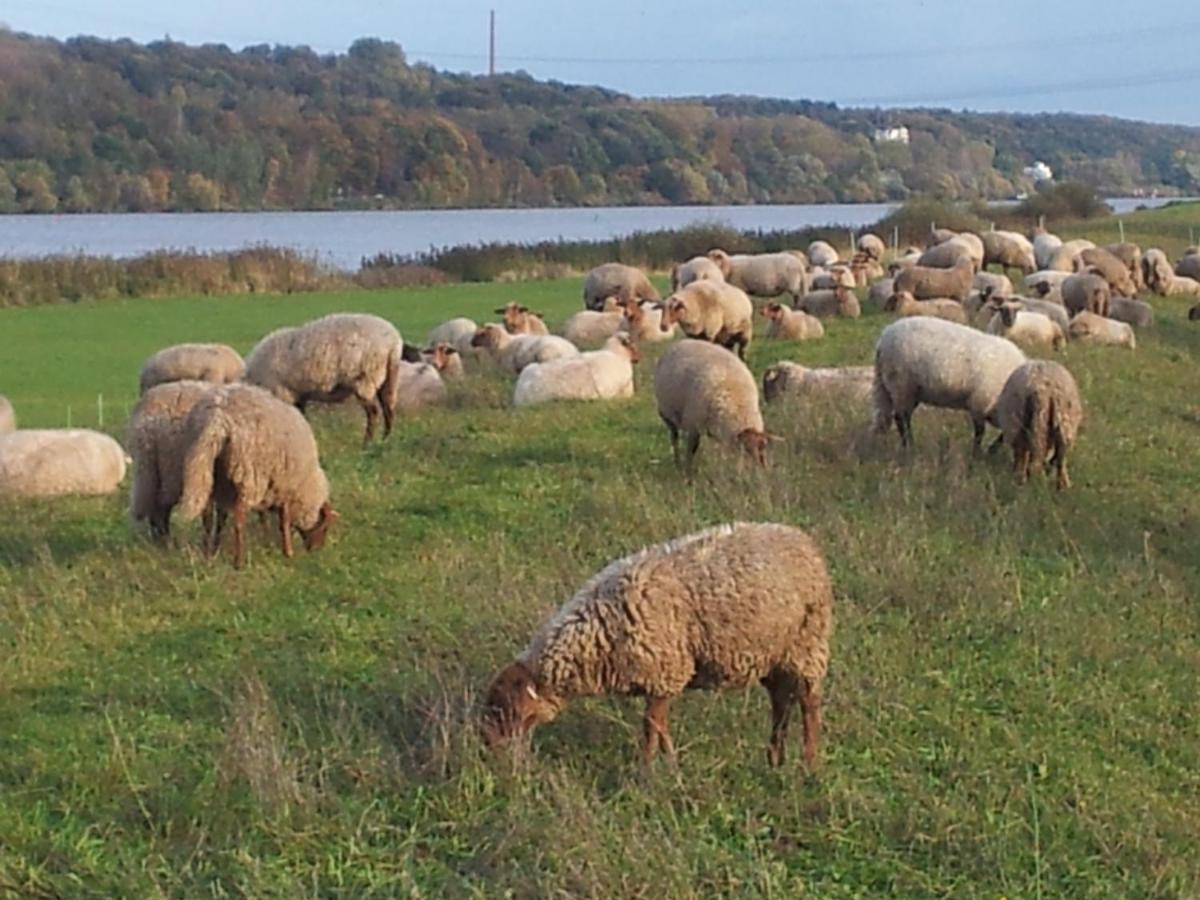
(616, 280)
(872, 245)
(821, 253)
(904, 304)
(1025, 327)
(1089, 328)
(1039, 413)
(711, 311)
(1008, 249)
(993, 284)
(515, 352)
(215, 363)
(446, 359)
(825, 303)
(597, 375)
(456, 332)
(57, 462)
(1046, 284)
(698, 268)
(788, 379)
(763, 274)
(1064, 257)
(589, 328)
(1045, 245)
(520, 319)
(791, 324)
(419, 385)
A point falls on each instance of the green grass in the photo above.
(1012, 700)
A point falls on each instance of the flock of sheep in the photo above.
(219, 437)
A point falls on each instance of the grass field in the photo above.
(1012, 705)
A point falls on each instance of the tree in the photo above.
(200, 194)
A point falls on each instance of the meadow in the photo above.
(1011, 708)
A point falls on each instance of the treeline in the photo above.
(97, 125)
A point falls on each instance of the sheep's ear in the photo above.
(451, 350)
(501, 311)
(531, 690)
(770, 436)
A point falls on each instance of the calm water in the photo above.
(343, 238)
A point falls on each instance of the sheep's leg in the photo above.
(285, 532)
(979, 426)
(904, 426)
(693, 444)
(389, 415)
(160, 523)
(239, 534)
(1060, 463)
(782, 689)
(216, 531)
(1021, 457)
(371, 408)
(810, 706)
(674, 433)
(655, 730)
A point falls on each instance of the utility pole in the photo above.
(492, 43)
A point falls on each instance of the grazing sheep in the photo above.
(698, 268)
(904, 305)
(838, 301)
(457, 333)
(420, 385)
(1055, 312)
(995, 285)
(821, 253)
(879, 292)
(248, 450)
(1137, 313)
(155, 438)
(1130, 255)
(789, 379)
(446, 359)
(728, 607)
(1009, 249)
(940, 236)
(944, 256)
(1189, 266)
(1161, 278)
(1039, 413)
(598, 375)
(515, 352)
(703, 389)
(589, 328)
(57, 462)
(711, 311)
(8, 418)
(1090, 328)
(763, 274)
(827, 279)
(1108, 267)
(643, 323)
(519, 319)
(926, 283)
(1063, 259)
(1025, 327)
(1086, 291)
(927, 360)
(215, 363)
(1045, 245)
(974, 243)
(616, 280)
(330, 359)
(873, 246)
(791, 324)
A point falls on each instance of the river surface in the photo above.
(344, 238)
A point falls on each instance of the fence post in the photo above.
(895, 238)
(68, 415)
(100, 410)
(853, 248)
(1121, 227)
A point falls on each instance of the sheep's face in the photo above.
(755, 444)
(487, 336)
(630, 348)
(673, 311)
(772, 311)
(515, 704)
(314, 538)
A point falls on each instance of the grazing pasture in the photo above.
(1011, 706)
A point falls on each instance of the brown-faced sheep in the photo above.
(791, 324)
(599, 375)
(1089, 328)
(826, 303)
(1026, 327)
(926, 283)
(588, 328)
(711, 311)
(616, 280)
(643, 323)
(215, 363)
(513, 352)
(903, 304)
(1108, 267)
(1039, 413)
(1130, 255)
(520, 319)
(763, 274)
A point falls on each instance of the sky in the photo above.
(1133, 60)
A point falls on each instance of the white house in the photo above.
(1039, 172)
(898, 134)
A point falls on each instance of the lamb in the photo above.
(789, 379)
(1010, 249)
(643, 323)
(420, 385)
(926, 283)
(1045, 245)
(840, 301)
(821, 253)
(995, 285)
(1063, 259)
(904, 304)
(792, 325)
(712, 311)
(944, 256)
(827, 279)
(873, 246)
(58, 462)
(1108, 267)
(616, 280)
(763, 274)
(329, 360)
(1022, 326)
(1086, 291)
(519, 319)
(879, 292)
(1039, 413)
(515, 352)
(456, 332)
(1047, 284)
(700, 389)
(589, 328)
(8, 418)
(1090, 328)
(1189, 266)
(927, 360)
(155, 438)
(598, 375)
(698, 268)
(446, 359)
(248, 450)
(1161, 278)
(215, 363)
(727, 607)
(1137, 313)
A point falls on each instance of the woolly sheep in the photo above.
(940, 236)
(1039, 413)
(57, 462)
(1008, 249)
(827, 279)
(728, 607)
(1134, 312)
(457, 333)
(904, 260)
(904, 305)
(1055, 312)
(1064, 257)
(701, 389)
(616, 280)
(598, 375)
(1045, 245)
(215, 363)
(1161, 278)
(248, 450)
(1108, 267)
(974, 243)
(8, 418)
(698, 268)
(446, 359)
(1089, 328)
(945, 256)
(155, 438)
(789, 379)
(419, 385)
(821, 253)
(589, 328)
(1086, 291)
(839, 301)
(515, 352)
(926, 283)
(711, 311)
(791, 324)
(927, 360)
(873, 246)
(643, 323)
(878, 293)
(519, 319)
(1189, 266)
(865, 269)
(1130, 255)
(995, 285)
(1022, 326)
(763, 274)
(330, 359)
(1047, 284)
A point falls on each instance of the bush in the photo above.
(1060, 202)
(920, 215)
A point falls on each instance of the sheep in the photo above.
(974, 244)
(904, 260)
(1137, 313)
(1039, 413)
(1090, 328)
(515, 352)
(598, 375)
(873, 246)
(1010, 249)
(944, 256)
(865, 269)
(446, 359)
(940, 236)
(616, 280)
(712, 311)
(1055, 312)
(827, 279)
(155, 438)
(1086, 291)
(700, 389)
(1181, 284)
(643, 323)
(997, 285)
(329, 360)
(1045, 245)
(698, 268)
(1189, 266)
(878, 293)
(1063, 259)
(8, 418)
(1161, 278)
(1108, 267)
(57, 462)
(904, 304)
(728, 607)
(790, 324)
(1022, 326)
(821, 253)
(926, 283)
(248, 450)
(840, 301)
(215, 363)
(588, 327)
(419, 385)
(1130, 255)
(1047, 284)
(456, 332)
(519, 319)
(789, 379)
(927, 360)
(763, 274)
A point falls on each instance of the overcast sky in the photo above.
(1132, 60)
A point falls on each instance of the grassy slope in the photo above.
(1012, 699)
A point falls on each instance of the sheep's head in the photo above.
(1043, 288)
(488, 336)
(772, 311)
(515, 317)
(754, 442)
(314, 538)
(896, 300)
(721, 258)
(674, 310)
(623, 345)
(775, 381)
(440, 355)
(515, 704)
(1008, 313)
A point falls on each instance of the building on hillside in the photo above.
(897, 134)
(1039, 172)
